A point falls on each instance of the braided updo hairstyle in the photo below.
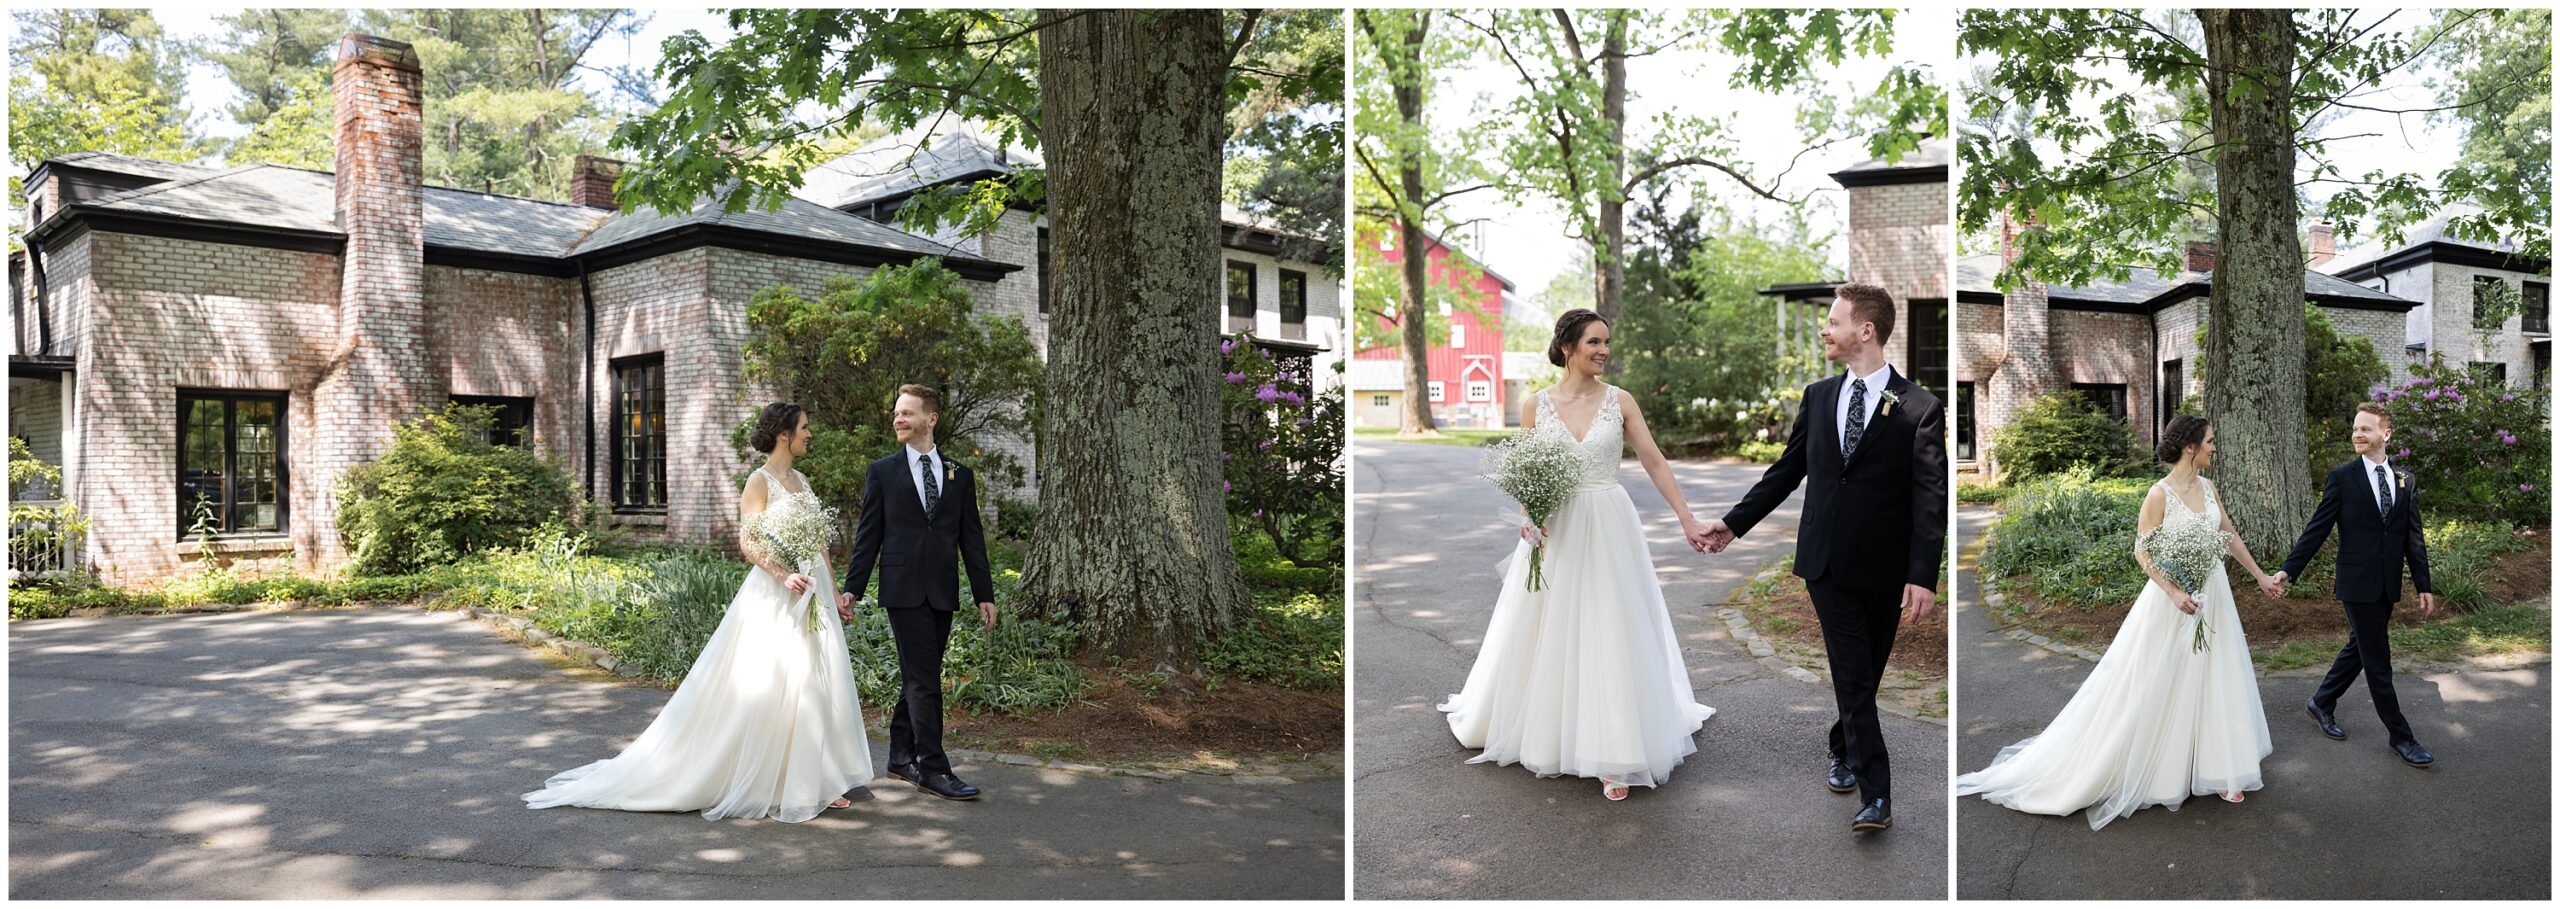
(1569, 329)
(2183, 432)
(778, 419)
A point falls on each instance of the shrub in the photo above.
(2059, 431)
(39, 535)
(2477, 448)
(2069, 539)
(2457, 554)
(443, 492)
(843, 355)
(1293, 640)
(1282, 449)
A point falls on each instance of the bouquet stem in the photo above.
(1537, 561)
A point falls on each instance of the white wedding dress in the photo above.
(766, 723)
(1583, 678)
(2156, 722)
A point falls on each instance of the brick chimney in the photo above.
(591, 182)
(2201, 255)
(378, 372)
(2324, 243)
(2027, 367)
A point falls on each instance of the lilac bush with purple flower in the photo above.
(2476, 447)
(1283, 453)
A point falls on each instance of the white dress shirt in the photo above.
(1875, 395)
(929, 461)
(2376, 485)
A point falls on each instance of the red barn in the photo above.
(1466, 374)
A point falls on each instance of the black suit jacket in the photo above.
(1878, 520)
(919, 557)
(2372, 546)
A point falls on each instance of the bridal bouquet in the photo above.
(1537, 470)
(2188, 552)
(799, 536)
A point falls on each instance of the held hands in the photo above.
(844, 606)
(987, 611)
(1713, 536)
(1919, 601)
(2273, 584)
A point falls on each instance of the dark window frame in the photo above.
(1966, 447)
(641, 368)
(514, 427)
(2537, 306)
(2173, 388)
(281, 459)
(1252, 289)
(2117, 400)
(1043, 243)
(1928, 328)
(1293, 303)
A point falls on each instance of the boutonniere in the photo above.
(950, 471)
(1889, 399)
(2404, 478)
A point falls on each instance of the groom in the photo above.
(920, 521)
(1874, 526)
(2375, 510)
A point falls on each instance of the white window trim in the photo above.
(1438, 392)
(1457, 335)
(1479, 390)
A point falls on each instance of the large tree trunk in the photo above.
(1610, 272)
(1411, 310)
(1132, 538)
(2254, 329)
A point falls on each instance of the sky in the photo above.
(208, 92)
(1529, 241)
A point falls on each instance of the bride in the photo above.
(2158, 720)
(766, 723)
(1584, 677)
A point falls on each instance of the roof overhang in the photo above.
(1891, 176)
(2448, 253)
(37, 366)
(71, 220)
(1798, 293)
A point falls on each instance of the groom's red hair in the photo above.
(1869, 303)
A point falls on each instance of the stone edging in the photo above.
(1767, 654)
(596, 656)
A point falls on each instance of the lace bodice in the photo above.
(1599, 446)
(2178, 510)
(778, 496)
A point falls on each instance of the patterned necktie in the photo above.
(1857, 419)
(2384, 481)
(932, 484)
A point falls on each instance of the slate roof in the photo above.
(299, 200)
(2436, 229)
(873, 173)
(1931, 153)
(2145, 287)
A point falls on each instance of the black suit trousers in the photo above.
(1857, 632)
(2368, 651)
(915, 727)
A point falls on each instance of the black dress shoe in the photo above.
(949, 787)
(1876, 816)
(907, 772)
(2413, 754)
(2328, 724)
(1841, 779)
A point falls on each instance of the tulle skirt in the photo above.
(2156, 722)
(1582, 678)
(766, 723)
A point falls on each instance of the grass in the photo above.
(1470, 438)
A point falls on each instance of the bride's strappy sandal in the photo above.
(2235, 796)
(840, 802)
(1615, 792)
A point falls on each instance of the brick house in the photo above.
(1466, 376)
(1898, 239)
(2446, 276)
(217, 346)
(2131, 345)
(1271, 289)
